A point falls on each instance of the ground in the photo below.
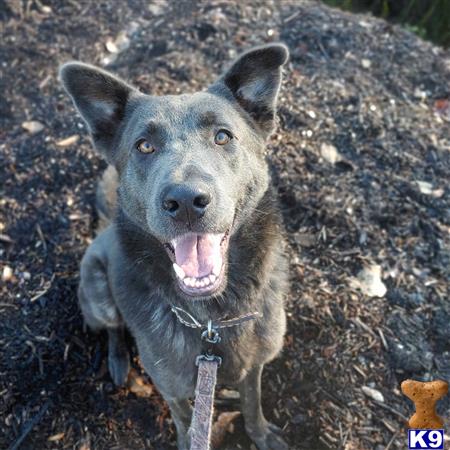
(361, 161)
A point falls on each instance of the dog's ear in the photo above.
(254, 80)
(100, 98)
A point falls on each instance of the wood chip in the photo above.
(56, 437)
(373, 394)
(66, 142)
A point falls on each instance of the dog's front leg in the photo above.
(181, 412)
(263, 433)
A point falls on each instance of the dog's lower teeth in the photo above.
(192, 282)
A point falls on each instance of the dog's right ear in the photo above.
(100, 98)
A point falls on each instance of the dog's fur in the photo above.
(127, 278)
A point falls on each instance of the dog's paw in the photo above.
(119, 366)
(269, 439)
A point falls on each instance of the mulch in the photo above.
(361, 161)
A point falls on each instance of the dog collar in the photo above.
(188, 320)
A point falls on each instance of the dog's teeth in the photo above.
(179, 271)
(205, 281)
(187, 281)
(212, 278)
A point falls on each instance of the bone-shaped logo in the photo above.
(425, 395)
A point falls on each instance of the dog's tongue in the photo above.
(198, 254)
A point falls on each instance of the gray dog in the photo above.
(195, 227)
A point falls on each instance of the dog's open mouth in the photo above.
(199, 261)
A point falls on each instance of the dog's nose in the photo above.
(185, 203)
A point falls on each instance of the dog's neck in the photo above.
(252, 254)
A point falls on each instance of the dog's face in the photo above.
(191, 167)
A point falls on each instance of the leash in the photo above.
(207, 363)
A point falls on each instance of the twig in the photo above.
(29, 426)
(388, 446)
(392, 410)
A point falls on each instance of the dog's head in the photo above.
(191, 167)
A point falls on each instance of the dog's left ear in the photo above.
(254, 81)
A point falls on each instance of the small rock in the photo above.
(373, 394)
(427, 189)
(157, 8)
(119, 44)
(369, 281)
(366, 63)
(420, 94)
(33, 126)
(329, 153)
(111, 46)
(7, 274)
(68, 141)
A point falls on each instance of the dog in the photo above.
(194, 225)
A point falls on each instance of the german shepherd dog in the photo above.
(195, 226)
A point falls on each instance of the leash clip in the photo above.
(211, 334)
(209, 358)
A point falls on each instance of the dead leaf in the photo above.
(369, 281)
(222, 426)
(33, 126)
(68, 141)
(137, 385)
(442, 107)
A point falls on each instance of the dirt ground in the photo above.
(361, 160)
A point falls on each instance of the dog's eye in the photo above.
(223, 137)
(144, 146)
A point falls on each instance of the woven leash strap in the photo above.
(201, 424)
